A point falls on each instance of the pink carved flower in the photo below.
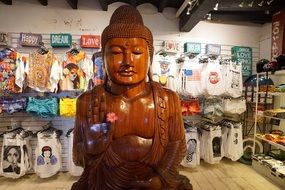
(112, 117)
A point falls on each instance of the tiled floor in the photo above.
(227, 175)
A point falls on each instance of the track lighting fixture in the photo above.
(251, 4)
(241, 4)
(216, 7)
(261, 3)
(269, 2)
(188, 11)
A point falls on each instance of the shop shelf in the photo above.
(258, 136)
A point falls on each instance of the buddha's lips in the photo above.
(127, 72)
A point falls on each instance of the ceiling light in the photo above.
(251, 4)
(269, 2)
(216, 7)
(261, 3)
(188, 11)
(241, 4)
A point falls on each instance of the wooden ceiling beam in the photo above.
(43, 2)
(188, 22)
(7, 2)
(73, 3)
(250, 16)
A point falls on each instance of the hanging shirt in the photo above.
(12, 158)
(211, 141)
(192, 157)
(212, 80)
(233, 80)
(12, 71)
(190, 76)
(38, 69)
(164, 71)
(47, 155)
(72, 168)
(75, 71)
(233, 142)
(98, 69)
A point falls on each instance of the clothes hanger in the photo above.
(48, 130)
(68, 132)
(42, 50)
(9, 48)
(74, 50)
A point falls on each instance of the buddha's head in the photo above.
(127, 46)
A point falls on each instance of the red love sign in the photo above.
(90, 41)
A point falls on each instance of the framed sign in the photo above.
(60, 40)
(90, 41)
(29, 39)
(3, 39)
(170, 46)
(243, 55)
(213, 49)
(192, 47)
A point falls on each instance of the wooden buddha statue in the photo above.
(128, 132)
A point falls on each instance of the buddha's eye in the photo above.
(137, 51)
(116, 50)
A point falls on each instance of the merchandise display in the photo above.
(273, 136)
(111, 104)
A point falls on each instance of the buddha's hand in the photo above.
(98, 137)
(153, 184)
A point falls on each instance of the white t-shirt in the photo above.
(164, 71)
(233, 81)
(192, 157)
(190, 77)
(211, 144)
(48, 155)
(212, 80)
(72, 168)
(12, 158)
(233, 143)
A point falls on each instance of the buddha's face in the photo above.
(126, 60)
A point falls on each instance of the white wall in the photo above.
(30, 16)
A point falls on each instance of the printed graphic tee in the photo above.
(192, 157)
(12, 158)
(39, 71)
(190, 77)
(164, 71)
(12, 71)
(212, 80)
(48, 155)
